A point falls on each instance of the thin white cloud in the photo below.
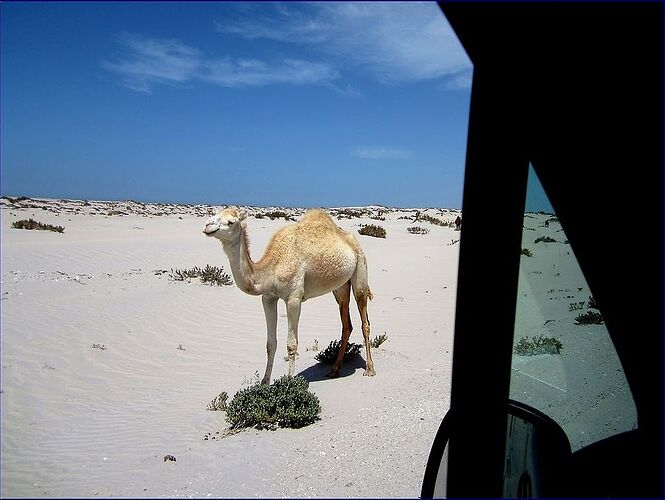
(254, 73)
(381, 153)
(461, 81)
(395, 41)
(151, 61)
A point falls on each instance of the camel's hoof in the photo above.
(369, 373)
(333, 374)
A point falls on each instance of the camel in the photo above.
(302, 261)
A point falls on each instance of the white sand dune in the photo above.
(96, 391)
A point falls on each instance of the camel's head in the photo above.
(226, 225)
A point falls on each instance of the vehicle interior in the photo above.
(569, 95)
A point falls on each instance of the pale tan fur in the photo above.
(302, 261)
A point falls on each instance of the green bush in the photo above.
(329, 354)
(372, 230)
(545, 239)
(211, 275)
(527, 252)
(538, 345)
(378, 340)
(287, 402)
(349, 213)
(218, 403)
(430, 219)
(589, 318)
(33, 224)
(279, 214)
(417, 230)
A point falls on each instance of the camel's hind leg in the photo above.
(343, 297)
(362, 294)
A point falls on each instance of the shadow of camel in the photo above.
(318, 371)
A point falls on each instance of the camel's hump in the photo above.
(315, 213)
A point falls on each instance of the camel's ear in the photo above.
(242, 214)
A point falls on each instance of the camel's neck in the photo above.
(242, 266)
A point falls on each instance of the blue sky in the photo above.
(295, 104)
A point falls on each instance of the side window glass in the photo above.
(564, 363)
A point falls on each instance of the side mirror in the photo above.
(536, 459)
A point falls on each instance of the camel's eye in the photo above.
(230, 223)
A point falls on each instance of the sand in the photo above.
(108, 364)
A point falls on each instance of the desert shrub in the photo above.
(215, 276)
(211, 275)
(372, 230)
(538, 345)
(218, 403)
(329, 354)
(279, 214)
(576, 306)
(287, 402)
(33, 224)
(183, 274)
(527, 252)
(377, 217)
(417, 230)
(589, 318)
(430, 219)
(378, 340)
(592, 303)
(545, 239)
(349, 213)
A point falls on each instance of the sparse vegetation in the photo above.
(576, 306)
(218, 403)
(279, 214)
(33, 224)
(372, 230)
(211, 275)
(287, 402)
(349, 213)
(417, 230)
(589, 318)
(99, 346)
(545, 239)
(538, 345)
(592, 303)
(432, 220)
(329, 354)
(527, 252)
(378, 340)
(315, 346)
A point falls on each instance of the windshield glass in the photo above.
(564, 363)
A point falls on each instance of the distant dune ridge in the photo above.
(108, 363)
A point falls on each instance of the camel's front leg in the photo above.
(293, 314)
(270, 310)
